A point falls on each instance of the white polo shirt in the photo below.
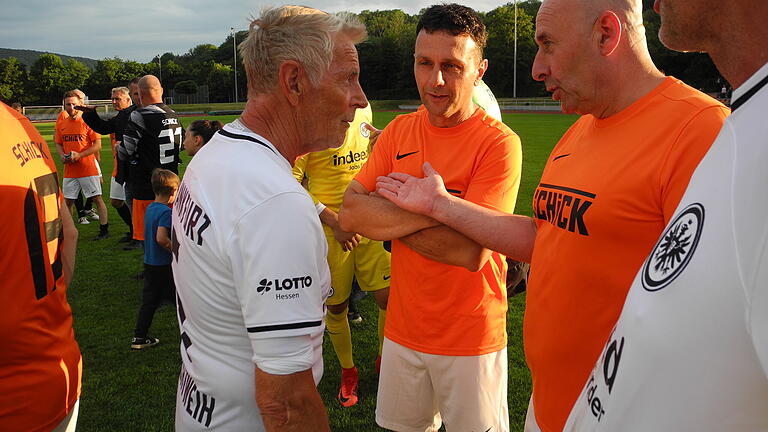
(690, 350)
(249, 265)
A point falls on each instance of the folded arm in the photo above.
(377, 218)
(509, 234)
(448, 246)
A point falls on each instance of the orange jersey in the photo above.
(40, 363)
(433, 307)
(74, 135)
(608, 190)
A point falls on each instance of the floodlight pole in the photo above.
(160, 65)
(234, 64)
(514, 67)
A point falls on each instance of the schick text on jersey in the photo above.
(563, 207)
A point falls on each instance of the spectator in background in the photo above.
(158, 276)
(198, 134)
(77, 145)
(115, 126)
(152, 139)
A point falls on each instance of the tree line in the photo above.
(386, 62)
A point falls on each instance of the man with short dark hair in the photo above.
(444, 357)
(690, 349)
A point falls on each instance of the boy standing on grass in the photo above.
(158, 278)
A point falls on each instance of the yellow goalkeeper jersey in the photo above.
(329, 172)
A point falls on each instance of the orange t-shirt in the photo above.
(608, 190)
(74, 135)
(433, 307)
(40, 364)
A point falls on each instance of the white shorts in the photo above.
(116, 190)
(70, 421)
(91, 186)
(418, 391)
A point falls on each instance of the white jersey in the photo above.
(690, 350)
(249, 265)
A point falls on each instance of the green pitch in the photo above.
(125, 390)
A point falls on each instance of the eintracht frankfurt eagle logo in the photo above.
(674, 250)
(364, 130)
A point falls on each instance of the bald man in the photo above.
(151, 140)
(690, 350)
(608, 189)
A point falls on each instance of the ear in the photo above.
(198, 140)
(289, 78)
(481, 68)
(608, 29)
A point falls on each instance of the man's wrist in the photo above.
(440, 206)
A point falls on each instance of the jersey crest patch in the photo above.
(674, 250)
(364, 132)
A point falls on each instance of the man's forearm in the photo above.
(60, 149)
(448, 246)
(290, 403)
(379, 219)
(510, 234)
(94, 148)
(69, 244)
(100, 126)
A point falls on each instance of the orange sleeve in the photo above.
(379, 162)
(496, 182)
(692, 144)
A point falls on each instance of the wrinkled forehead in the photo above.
(561, 16)
(71, 100)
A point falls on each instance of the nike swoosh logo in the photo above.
(400, 156)
(387, 277)
(561, 156)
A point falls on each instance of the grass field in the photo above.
(126, 390)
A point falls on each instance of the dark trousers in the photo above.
(158, 286)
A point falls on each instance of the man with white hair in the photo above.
(115, 126)
(608, 189)
(690, 350)
(249, 251)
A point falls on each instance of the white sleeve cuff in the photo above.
(319, 207)
(283, 355)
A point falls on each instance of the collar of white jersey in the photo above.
(238, 130)
(750, 87)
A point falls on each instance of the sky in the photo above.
(140, 29)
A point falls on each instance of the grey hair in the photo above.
(297, 33)
(122, 89)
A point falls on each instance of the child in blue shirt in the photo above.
(158, 277)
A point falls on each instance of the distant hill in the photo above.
(28, 57)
